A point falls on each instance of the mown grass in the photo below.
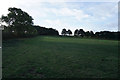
(60, 57)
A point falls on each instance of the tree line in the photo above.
(46, 31)
(91, 34)
(20, 24)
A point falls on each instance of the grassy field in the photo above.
(60, 57)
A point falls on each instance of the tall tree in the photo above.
(64, 32)
(76, 32)
(69, 32)
(87, 33)
(81, 32)
(91, 33)
(19, 21)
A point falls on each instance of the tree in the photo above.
(52, 31)
(69, 32)
(19, 21)
(17, 17)
(87, 33)
(46, 31)
(81, 32)
(76, 32)
(91, 34)
(64, 32)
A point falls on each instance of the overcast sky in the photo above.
(76, 14)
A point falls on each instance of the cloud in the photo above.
(4, 4)
(77, 14)
(57, 24)
(67, 13)
(103, 10)
(53, 21)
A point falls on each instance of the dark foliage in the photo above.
(76, 32)
(69, 32)
(19, 24)
(46, 31)
(100, 35)
(64, 32)
(108, 35)
(79, 32)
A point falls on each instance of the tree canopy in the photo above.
(69, 32)
(19, 23)
(17, 17)
(46, 31)
(64, 31)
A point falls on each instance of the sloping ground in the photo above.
(60, 57)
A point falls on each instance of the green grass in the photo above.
(60, 57)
